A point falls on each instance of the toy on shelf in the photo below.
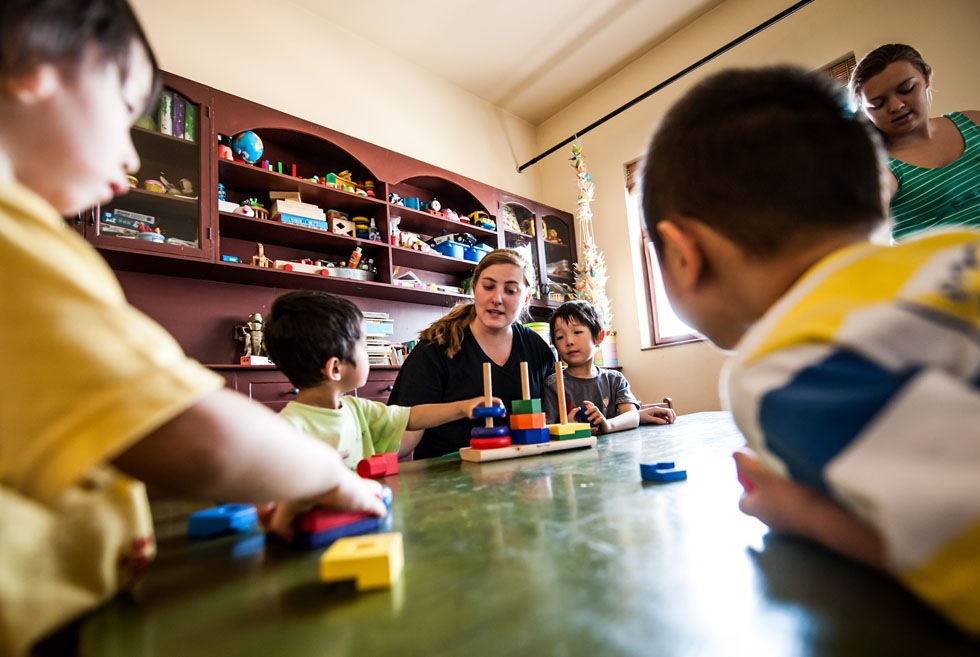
(529, 435)
(259, 259)
(247, 147)
(252, 333)
(481, 219)
(305, 266)
(224, 148)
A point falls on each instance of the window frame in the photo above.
(651, 272)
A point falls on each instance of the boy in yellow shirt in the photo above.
(89, 414)
(856, 377)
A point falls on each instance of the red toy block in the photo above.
(527, 421)
(490, 443)
(378, 465)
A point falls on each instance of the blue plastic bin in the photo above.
(451, 249)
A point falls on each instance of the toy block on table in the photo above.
(378, 465)
(570, 430)
(321, 526)
(520, 451)
(527, 421)
(373, 562)
(525, 406)
(530, 436)
(662, 472)
(224, 519)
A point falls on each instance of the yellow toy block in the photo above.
(527, 421)
(374, 561)
(570, 430)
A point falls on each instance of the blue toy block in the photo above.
(328, 536)
(489, 432)
(662, 472)
(497, 410)
(529, 436)
(224, 519)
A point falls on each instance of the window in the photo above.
(665, 327)
(841, 69)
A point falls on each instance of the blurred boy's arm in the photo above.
(228, 448)
(791, 508)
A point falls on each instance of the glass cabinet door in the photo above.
(519, 231)
(161, 213)
(559, 255)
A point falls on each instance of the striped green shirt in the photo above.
(939, 198)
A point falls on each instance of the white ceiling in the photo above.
(528, 57)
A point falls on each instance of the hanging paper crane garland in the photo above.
(590, 272)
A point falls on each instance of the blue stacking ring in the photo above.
(489, 432)
(498, 410)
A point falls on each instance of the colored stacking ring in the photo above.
(489, 432)
(490, 443)
(498, 410)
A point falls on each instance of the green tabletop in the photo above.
(563, 554)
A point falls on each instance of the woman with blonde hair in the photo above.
(447, 363)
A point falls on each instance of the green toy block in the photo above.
(524, 406)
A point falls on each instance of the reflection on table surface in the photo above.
(563, 554)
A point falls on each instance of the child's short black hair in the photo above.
(580, 311)
(771, 158)
(36, 32)
(305, 329)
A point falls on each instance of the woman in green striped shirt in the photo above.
(934, 162)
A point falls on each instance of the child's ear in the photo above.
(332, 370)
(36, 85)
(682, 258)
(601, 336)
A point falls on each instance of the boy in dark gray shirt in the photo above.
(603, 396)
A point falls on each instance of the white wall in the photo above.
(281, 55)
(945, 31)
(303, 65)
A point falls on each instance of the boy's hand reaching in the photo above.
(589, 412)
(791, 508)
(352, 494)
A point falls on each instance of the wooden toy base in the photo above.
(519, 451)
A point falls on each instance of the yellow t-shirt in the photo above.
(85, 376)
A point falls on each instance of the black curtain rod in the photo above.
(704, 60)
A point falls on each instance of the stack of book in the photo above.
(380, 327)
(177, 116)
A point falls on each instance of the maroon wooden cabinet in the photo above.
(208, 259)
(269, 386)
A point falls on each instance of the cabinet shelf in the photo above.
(297, 237)
(430, 261)
(433, 225)
(253, 181)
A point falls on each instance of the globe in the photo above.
(247, 146)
